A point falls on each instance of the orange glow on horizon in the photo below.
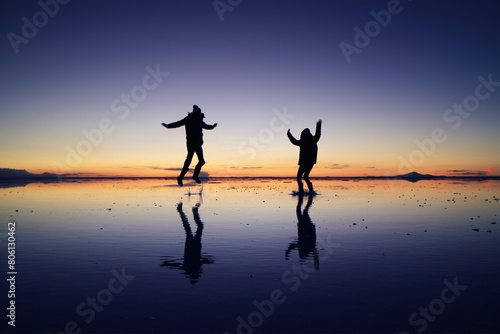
(211, 170)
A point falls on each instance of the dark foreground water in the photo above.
(144, 256)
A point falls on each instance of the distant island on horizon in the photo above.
(7, 174)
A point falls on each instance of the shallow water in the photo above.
(115, 256)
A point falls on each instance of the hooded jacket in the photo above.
(308, 145)
(194, 128)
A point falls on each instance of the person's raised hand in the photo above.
(215, 124)
(165, 125)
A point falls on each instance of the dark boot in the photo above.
(181, 176)
(197, 170)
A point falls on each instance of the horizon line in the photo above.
(39, 176)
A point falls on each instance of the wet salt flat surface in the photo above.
(246, 256)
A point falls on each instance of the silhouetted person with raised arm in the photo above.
(193, 258)
(306, 230)
(308, 154)
(194, 138)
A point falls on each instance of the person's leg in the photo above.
(185, 168)
(199, 223)
(307, 170)
(299, 178)
(201, 162)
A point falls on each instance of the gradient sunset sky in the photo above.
(256, 68)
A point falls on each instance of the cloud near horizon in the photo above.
(246, 167)
(467, 172)
(175, 169)
(337, 166)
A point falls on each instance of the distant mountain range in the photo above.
(8, 173)
(414, 177)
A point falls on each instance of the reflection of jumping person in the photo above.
(193, 259)
(194, 137)
(308, 154)
(306, 242)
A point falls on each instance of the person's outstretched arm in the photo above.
(318, 130)
(292, 138)
(175, 124)
(208, 126)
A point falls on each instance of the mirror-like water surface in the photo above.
(246, 256)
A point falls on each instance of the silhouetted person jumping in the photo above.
(194, 138)
(308, 154)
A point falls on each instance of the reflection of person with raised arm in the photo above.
(306, 230)
(193, 258)
(308, 154)
(194, 137)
